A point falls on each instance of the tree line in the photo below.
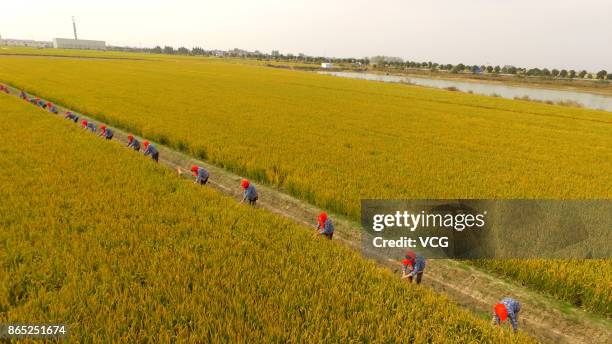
(380, 62)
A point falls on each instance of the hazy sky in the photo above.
(532, 33)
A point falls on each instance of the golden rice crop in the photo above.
(96, 236)
(334, 141)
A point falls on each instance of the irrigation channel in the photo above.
(543, 317)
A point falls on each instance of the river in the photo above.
(588, 100)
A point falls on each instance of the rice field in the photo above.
(332, 141)
(96, 236)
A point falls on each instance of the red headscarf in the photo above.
(322, 218)
(84, 123)
(501, 311)
(194, 169)
(130, 138)
(244, 184)
(145, 144)
(406, 262)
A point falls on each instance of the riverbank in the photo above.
(552, 96)
(602, 87)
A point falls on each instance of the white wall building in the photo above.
(68, 43)
(25, 43)
(327, 65)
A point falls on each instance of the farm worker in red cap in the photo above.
(200, 173)
(133, 143)
(106, 133)
(250, 193)
(507, 308)
(150, 149)
(325, 226)
(416, 264)
(406, 267)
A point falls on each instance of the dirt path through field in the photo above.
(543, 317)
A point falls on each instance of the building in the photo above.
(68, 43)
(327, 65)
(25, 43)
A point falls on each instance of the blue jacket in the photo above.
(134, 144)
(328, 227)
(150, 150)
(202, 175)
(418, 265)
(109, 134)
(91, 126)
(250, 193)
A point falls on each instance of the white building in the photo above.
(68, 43)
(326, 65)
(25, 43)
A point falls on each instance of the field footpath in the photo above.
(543, 317)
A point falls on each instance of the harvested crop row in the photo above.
(95, 235)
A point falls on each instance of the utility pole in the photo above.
(74, 28)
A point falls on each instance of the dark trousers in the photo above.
(419, 276)
(203, 181)
(328, 235)
(252, 201)
(155, 156)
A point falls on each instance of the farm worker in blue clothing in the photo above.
(106, 133)
(133, 143)
(250, 193)
(150, 149)
(325, 226)
(200, 173)
(416, 262)
(92, 127)
(507, 308)
(53, 109)
(69, 115)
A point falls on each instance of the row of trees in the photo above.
(397, 63)
(381, 62)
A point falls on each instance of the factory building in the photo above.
(69, 43)
(25, 43)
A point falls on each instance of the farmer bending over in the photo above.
(150, 149)
(106, 133)
(200, 173)
(416, 264)
(507, 308)
(325, 226)
(133, 143)
(250, 193)
(69, 115)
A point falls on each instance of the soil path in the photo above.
(541, 316)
